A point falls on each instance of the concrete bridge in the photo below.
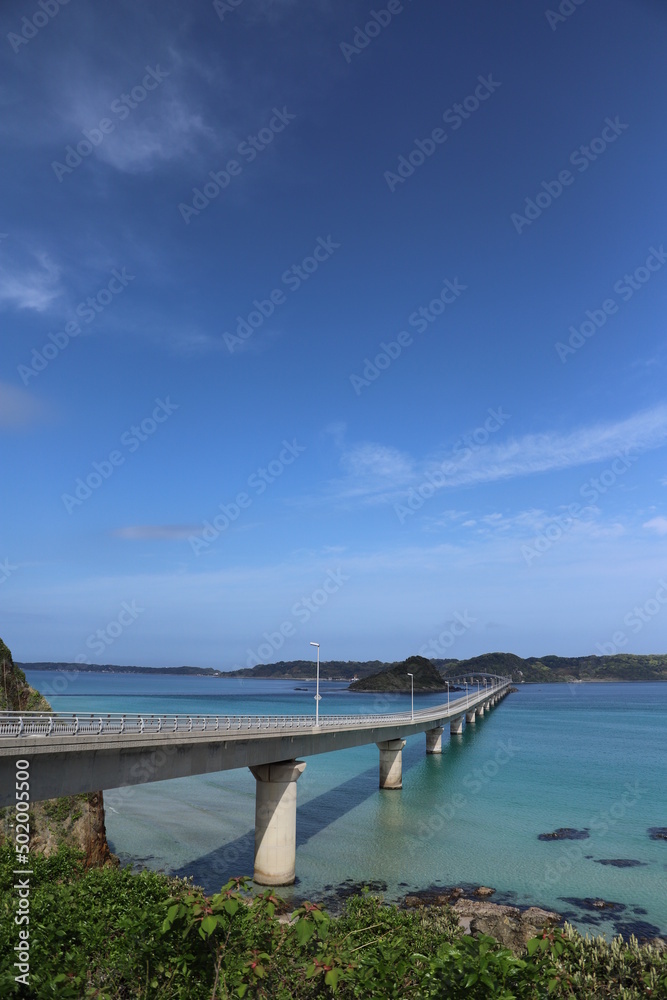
(72, 753)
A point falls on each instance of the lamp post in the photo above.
(412, 695)
(317, 686)
(447, 683)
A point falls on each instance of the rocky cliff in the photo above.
(75, 820)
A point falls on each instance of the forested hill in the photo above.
(111, 668)
(414, 674)
(533, 669)
(548, 669)
(337, 670)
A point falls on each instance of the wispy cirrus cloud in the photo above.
(33, 283)
(376, 473)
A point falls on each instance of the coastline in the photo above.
(479, 909)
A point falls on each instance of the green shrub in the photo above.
(114, 935)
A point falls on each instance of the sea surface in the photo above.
(592, 757)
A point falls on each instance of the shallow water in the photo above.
(586, 756)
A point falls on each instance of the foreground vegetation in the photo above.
(110, 934)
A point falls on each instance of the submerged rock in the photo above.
(620, 862)
(658, 832)
(565, 833)
(588, 903)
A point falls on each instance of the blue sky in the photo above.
(325, 325)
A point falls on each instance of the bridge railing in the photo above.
(19, 724)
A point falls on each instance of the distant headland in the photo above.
(112, 668)
(530, 670)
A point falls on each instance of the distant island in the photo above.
(111, 668)
(531, 670)
(425, 676)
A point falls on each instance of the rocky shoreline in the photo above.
(512, 924)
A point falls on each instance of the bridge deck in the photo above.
(72, 753)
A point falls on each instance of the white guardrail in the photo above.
(21, 724)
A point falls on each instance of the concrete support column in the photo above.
(470, 716)
(391, 763)
(480, 710)
(456, 726)
(434, 740)
(275, 821)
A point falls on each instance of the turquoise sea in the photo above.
(588, 756)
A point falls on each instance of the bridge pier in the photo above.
(434, 740)
(470, 716)
(456, 726)
(275, 821)
(480, 710)
(391, 763)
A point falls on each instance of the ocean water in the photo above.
(588, 756)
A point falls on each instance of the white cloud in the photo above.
(657, 524)
(32, 285)
(377, 460)
(147, 139)
(378, 473)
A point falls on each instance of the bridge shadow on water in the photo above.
(313, 816)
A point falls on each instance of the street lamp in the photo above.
(317, 686)
(447, 683)
(412, 695)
